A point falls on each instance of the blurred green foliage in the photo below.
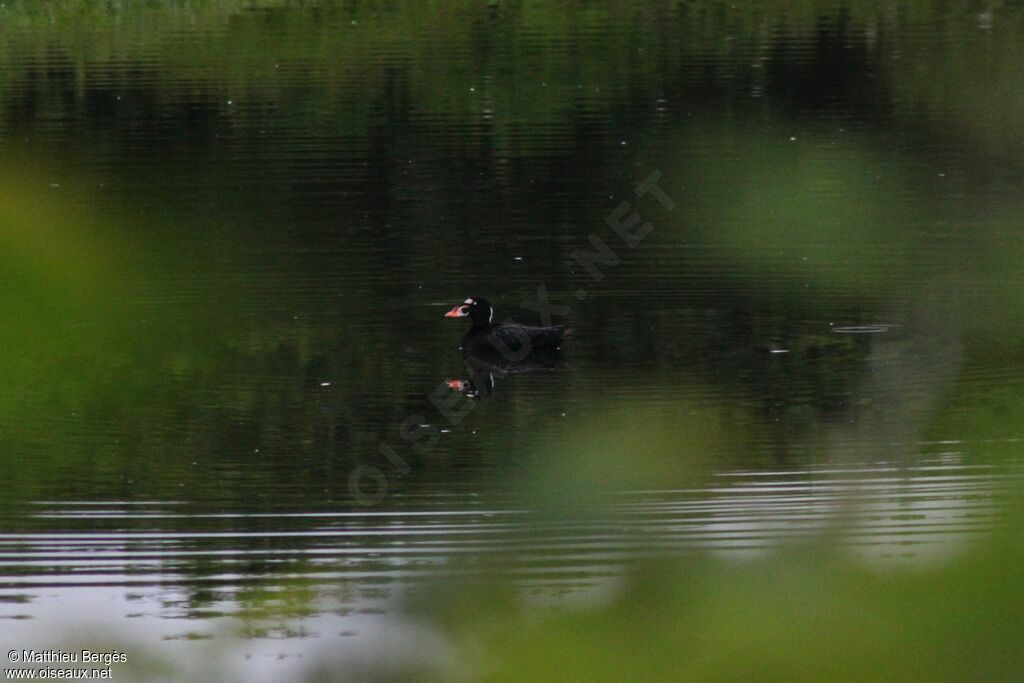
(806, 614)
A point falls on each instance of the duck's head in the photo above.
(476, 308)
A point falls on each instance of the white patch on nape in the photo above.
(490, 318)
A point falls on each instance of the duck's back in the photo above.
(513, 338)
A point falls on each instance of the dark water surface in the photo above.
(230, 233)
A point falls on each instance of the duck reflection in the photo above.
(483, 368)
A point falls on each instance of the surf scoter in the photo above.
(510, 340)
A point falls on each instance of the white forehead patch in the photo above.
(468, 301)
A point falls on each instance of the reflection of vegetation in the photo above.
(169, 353)
(524, 63)
(266, 612)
